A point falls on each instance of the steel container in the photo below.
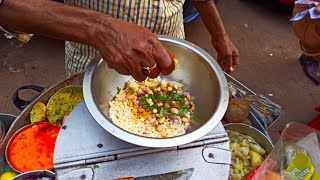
(10, 143)
(38, 174)
(197, 70)
(257, 135)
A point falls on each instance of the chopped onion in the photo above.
(186, 126)
(136, 101)
(185, 94)
(190, 105)
(141, 93)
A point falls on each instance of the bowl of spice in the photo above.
(32, 147)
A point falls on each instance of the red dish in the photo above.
(32, 147)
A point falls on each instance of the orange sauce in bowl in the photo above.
(33, 147)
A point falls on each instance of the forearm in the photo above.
(210, 17)
(51, 19)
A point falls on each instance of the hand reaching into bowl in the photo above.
(127, 48)
(134, 50)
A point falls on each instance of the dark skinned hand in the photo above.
(228, 54)
(129, 47)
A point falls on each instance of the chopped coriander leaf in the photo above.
(162, 98)
(154, 106)
(177, 97)
(184, 106)
(183, 112)
(143, 100)
(119, 89)
(152, 96)
(182, 100)
(131, 91)
(161, 112)
(170, 94)
(95, 166)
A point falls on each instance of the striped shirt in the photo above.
(159, 16)
(163, 17)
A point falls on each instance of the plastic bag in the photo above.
(296, 156)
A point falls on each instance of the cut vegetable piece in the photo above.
(133, 85)
(244, 150)
(256, 159)
(258, 149)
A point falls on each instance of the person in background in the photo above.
(307, 31)
(122, 31)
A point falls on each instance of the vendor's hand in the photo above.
(129, 48)
(228, 54)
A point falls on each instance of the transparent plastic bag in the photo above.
(296, 156)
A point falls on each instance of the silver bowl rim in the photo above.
(35, 172)
(161, 142)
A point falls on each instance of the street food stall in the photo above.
(69, 131)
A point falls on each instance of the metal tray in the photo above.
(26, 107)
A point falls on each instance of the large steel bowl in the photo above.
(197, 70)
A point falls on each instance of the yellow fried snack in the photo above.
(62, 103)
(38, 113)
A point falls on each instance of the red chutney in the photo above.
(33, 147)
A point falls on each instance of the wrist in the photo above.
(220, 37)
(100, 30)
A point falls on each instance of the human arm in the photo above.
(126, 47)
(228, 55)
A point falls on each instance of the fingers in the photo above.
(123, 71)
(228, 56)
(164, 59)
(227, 66)
(120, 69)
(137, 73)
(152, 65)
(226, 63)
(134, 68)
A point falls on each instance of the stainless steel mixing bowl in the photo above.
(197, 70)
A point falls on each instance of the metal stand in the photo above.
(84, 150)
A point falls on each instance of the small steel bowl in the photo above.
(10, 142)
(35, 175)
(257, 135)
(197, 70)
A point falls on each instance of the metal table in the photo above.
(84, 150)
